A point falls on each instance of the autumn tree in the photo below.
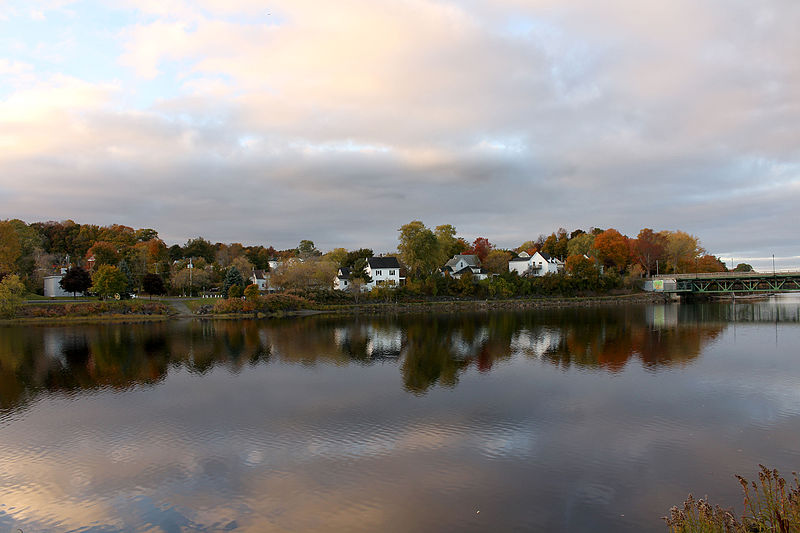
(10, 247)
(12, 294)
(337, 255)
(190, 279)
(481, 247)
(531, 247)
(497, 261)
(710, 263)
(611, 249)
(580, 244)
(76, 280)
(107, 281)
(449, 244)
(251, 292)
(419, 248)
(648, 248)
(312, 273)
(104, 253)
(681, 251)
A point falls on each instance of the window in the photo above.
(377, 272)
(391, 272)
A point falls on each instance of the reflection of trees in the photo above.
(432, 350)
(609, 339)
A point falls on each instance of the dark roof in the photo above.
(259, 274)
(469, 259)
(526, 259)
(344, 273)
(545, 255)
(383, 262)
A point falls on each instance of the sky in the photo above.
(268, 123)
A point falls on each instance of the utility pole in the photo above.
(191, 268)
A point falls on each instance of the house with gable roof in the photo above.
(538, 264)
(462, 263)
(381, 270)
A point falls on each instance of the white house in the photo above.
(259, 278)
(460, 264)
(342, 281)
(381, 270)
(538, 264)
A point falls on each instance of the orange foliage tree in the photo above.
(611, 249)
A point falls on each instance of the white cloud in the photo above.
(615, 114)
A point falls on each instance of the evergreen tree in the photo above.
(123, 267)
(232, 277)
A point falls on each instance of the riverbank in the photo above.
(166, 310)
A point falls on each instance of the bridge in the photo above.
(725, 282)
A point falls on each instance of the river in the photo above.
(560, 420)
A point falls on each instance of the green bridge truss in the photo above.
(709, 284)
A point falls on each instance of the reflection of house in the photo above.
(461, 264)
(538, 264)
(370, 341)
(536, 343)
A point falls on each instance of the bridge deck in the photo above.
(728, 282)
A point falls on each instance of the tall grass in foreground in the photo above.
(769, 506)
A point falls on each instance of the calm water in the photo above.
(568, 420)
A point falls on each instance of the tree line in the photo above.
(121, 259)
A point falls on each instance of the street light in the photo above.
(773, 265)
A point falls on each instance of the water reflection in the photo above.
(430, 350)
(552, 420)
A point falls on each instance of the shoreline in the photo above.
(359, 309)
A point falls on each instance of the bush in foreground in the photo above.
(269, 303)
(769, 507)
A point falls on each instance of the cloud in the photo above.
(506, 118)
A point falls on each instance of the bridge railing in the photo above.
(721, 275)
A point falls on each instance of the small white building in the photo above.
(342, 281)
(538, 264)
(383, 271)
(258, 277)
(52, 287)
(463, 263)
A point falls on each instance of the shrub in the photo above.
(770, 507)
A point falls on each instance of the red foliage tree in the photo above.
(481, 247)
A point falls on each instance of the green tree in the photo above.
(743, 267)
(76, 280)
(449, 244)
(418, 248)
(235, 291)
(307, 249)
(232, 277)
(199, 247)
(123, 267)
(581, 244)
(10, 247)
(12, 292)
(107, 281)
